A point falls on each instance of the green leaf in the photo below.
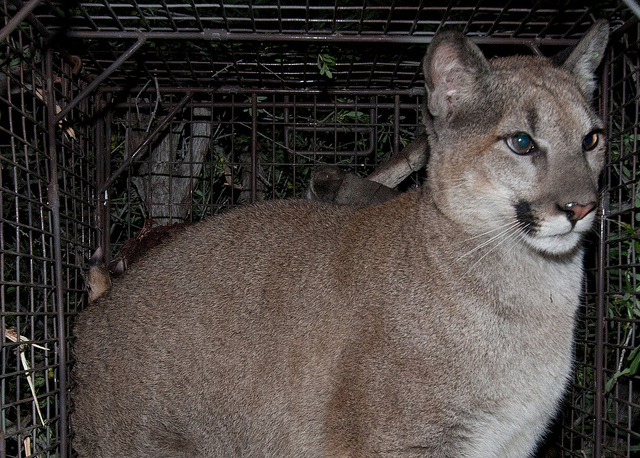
(615, 377)
(325, 63)
(635, 356)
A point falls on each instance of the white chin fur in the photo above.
(555, 235)
(558, 244)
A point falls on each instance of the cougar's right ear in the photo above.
(452, 67)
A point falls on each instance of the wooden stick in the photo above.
(399, 166)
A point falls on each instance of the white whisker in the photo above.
(509, 235)
(518, 239)
(491, 231)
(504, 230)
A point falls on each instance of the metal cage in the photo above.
(116, 113)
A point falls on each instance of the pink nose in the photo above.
(576, 212)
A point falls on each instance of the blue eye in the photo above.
(521, 143)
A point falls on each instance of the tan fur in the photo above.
(432, 325)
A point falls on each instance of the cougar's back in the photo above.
(437, 324)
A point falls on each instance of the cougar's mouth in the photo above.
(553, 233)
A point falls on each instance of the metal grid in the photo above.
(26, 258)
(286, 134)
(620, 275)
(231, 43)
(328, 17)
(603, 413)
(46, 189)
(247, 97)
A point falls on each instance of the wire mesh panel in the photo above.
(226, 150)
(366, 44)
(620, 382)
(26, 257)
(41, 248)
(603, 412)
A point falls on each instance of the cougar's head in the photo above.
(516, 148)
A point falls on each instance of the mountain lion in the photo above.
(437, 324)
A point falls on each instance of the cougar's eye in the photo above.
(521, 143)
(590, 141)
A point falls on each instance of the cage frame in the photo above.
(79, 98)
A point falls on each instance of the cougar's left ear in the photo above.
(587, 55)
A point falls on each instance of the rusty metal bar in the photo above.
(598, 403)
(146, 141)
(599, 400)
(324, 105)
(96, 82)
(224, 35)
(415, 91)
(101, 218)
(254, 146)
(53, 194)
(106, 223)
(18, 18)
(396, 124)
